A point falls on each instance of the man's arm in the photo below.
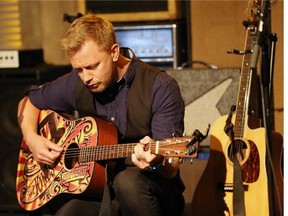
(27, 117)
(42, 149)
(168, 119)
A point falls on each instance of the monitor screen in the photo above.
(147, 42)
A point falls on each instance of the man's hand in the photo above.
(43, 150)
(143, 159)
(140, 157)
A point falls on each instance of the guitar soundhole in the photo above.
(71, 156)
(240, 149)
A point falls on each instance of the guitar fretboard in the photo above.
(97, 153)
(106, 152)
(244, 86)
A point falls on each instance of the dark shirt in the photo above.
(167, 106)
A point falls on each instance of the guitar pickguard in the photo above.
(248, 157)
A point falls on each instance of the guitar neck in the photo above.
(97, 153)
(245, 85)
(185, 147)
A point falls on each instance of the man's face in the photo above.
(96, 68)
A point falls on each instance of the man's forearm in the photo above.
(27, 117)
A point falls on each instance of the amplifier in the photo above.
(13, 82)
(161, 44)
(20, 58)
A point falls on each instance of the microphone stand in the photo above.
(266, 42)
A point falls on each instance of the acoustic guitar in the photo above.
(214, 193)
(88, 144)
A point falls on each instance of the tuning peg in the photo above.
(170, 160)
(181, 160)
(178, 134)
(191, 161)
(191, 149)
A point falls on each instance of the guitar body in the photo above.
(88, 143)
(37, 184)
(213, 195)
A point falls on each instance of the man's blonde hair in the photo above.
(89, 27)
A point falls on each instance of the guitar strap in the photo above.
(238, 190)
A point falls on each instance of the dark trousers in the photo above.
(142, 193)
(137, 192)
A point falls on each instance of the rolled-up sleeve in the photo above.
(56, 95)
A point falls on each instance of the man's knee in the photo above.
(126, 181)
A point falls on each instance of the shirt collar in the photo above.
(130, 73)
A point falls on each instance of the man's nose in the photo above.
(87, 76)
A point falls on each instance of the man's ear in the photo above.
(115, 51)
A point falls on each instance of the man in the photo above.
(142, 101)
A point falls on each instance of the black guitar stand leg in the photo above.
(266, 42)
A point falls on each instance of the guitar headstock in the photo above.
(253, 10)
(183, 147)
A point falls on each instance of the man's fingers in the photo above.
(54, 147)
(146, 140)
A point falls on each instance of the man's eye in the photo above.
(92, 67)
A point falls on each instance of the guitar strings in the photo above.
(243, 98)
(101, 151)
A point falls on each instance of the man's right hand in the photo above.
(43, 150)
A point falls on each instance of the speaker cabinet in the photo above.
(207, 93)
(13, 82)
